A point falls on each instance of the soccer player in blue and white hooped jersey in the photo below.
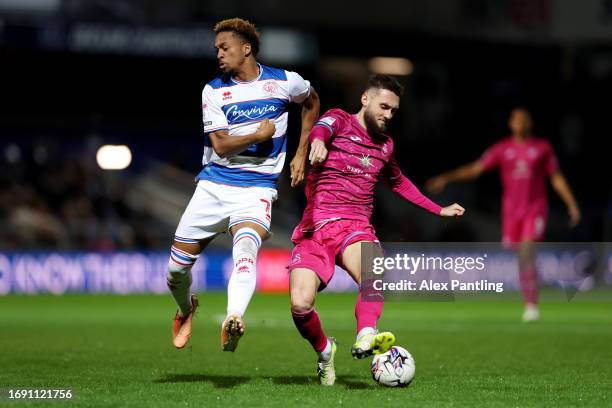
(245, 124)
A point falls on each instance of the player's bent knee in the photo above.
(301, 302)
(300, 307)
(250, 244)
(256, 228)
(180, 262)
(178, 272)
(303, 289)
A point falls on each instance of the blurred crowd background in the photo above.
(76, 75)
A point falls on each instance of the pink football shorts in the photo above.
(320, 247)
(527, 228)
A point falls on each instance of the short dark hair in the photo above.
(523, 108)
(387, 82)
(243, 28)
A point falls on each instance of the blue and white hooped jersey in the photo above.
(239, 107)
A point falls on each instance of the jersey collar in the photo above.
(251, 81)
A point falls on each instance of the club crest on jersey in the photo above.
(296, 258)
(227, 95)
(270, 87)
(365, 161)
(532, 152)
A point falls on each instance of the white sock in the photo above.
(179, 278)
(242, 283)
(325, 355)
(366, 330)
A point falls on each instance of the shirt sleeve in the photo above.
(325, 127)
(491, 158)
(399, 184)
(299, 88)
(551, 165)
(213, 117)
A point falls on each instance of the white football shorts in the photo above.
(215, 208)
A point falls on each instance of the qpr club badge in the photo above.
(270, 87)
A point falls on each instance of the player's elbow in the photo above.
(557, 181)
(220, 148)
(475, 170)
(315, 100)
(312, 103)
(222, 153)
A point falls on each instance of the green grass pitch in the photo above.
(115, 351)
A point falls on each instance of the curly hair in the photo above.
(244, 28)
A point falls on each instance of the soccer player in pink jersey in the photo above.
(349, 154)
(524, 162)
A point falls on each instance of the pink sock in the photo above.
(309, 326)
(529, 283)
(368, 308)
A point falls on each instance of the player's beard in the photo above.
(228, 73)
(372, 124)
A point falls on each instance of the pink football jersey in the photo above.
(523, 169)
(343, 185)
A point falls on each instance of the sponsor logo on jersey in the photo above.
(253, 113)
(227, 95)
(521, 170)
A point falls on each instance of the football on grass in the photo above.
(395, 368)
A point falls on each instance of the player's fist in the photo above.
(574, 215)
(297, 166)
(265, 130)
(435, 185)
(318, 152)
(453, 210)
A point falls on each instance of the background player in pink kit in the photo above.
(350, 153)
(524, 162)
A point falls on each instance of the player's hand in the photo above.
(435, 185)
(318, 152)
(265, 131)
(453, 210)
(574, 215)
(297, 166)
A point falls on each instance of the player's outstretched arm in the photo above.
(453, 210)
(561, 186)
(408, 191)
(466, 172)
(226, 145)
(310, 113)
